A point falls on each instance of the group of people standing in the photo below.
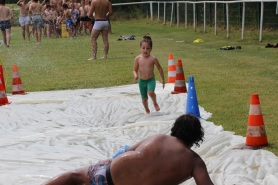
(87, 15)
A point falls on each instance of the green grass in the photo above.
(224, 80)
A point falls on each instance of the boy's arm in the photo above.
(135, 69)
(160, 70)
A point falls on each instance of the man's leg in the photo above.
(94, 37)
(27, 32)
(38, 35)
(4, 37)
(23, 32)
(8, 37)
(104, 33)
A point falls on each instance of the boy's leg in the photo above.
(153, 97)
(145, 104)
(48, 30)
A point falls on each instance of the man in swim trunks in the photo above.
(102, 10)
(35, 10)
(160, 159)
(24, 18)
(6, 15)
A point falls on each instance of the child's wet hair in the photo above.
(147, 39)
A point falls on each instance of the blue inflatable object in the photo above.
(192, 102)
(121, 151)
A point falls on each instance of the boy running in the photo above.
(145, 63)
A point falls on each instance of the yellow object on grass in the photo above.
(198, 41)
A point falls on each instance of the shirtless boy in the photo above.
(69, 20)
(157, 160)
(47, 19)
(6, 15)
(102, 10)
(145, 63)
(83, 17)
(24, 18)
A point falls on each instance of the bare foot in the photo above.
(157, 108)
(148, 111)
(103, 58)
(91, 58)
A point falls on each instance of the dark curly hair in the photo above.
(147, 39)
(188, 128)
(2, 2)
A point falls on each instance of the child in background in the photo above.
(145, 63)
(69, 21)
(59, 22)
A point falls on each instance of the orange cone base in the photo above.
(256, 141)
(18, 92)
(4, 101)
(177, 92)
(246, 147)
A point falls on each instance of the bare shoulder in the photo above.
(138, 57)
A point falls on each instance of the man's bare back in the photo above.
(5, 13)
(101, 8)
(163, 161)
(35, 8)
(24, 8)
(157, 160)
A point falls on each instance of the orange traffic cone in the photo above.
(256, 135)
(17, 84)
(171, 69)
(180, 86)
(3, 96)
(2, 76)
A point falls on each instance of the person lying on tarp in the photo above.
(157, 160)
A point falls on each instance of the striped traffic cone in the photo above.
(256, 134)
(171, 69)
(180, 86)
(2, 76)
(17, 84)
(3, 96)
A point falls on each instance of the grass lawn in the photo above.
(224, 80)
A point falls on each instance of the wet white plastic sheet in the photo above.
(44, 134)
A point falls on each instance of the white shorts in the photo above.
(101, 24)
(24, 20)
